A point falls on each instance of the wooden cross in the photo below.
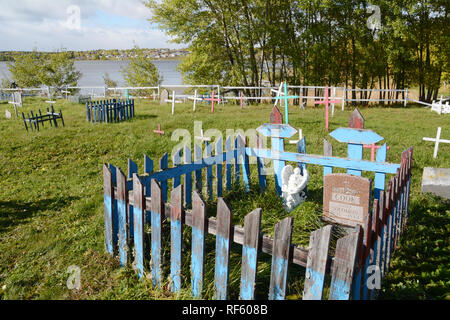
(277, 131)
(202, 138)
(373, 147)
(159, 131)
(286, 97)
(212, 101)
(195, 98)
(437, 140)
(173, 102)
(326, 102)
(241, 94)
(278, 92)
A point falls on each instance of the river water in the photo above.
(93, 72)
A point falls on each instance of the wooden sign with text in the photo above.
(346, 199)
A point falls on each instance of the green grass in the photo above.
(51, 199)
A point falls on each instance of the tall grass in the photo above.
(51, 198)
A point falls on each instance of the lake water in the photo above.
(93, 71)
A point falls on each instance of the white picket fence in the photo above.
(228, 93)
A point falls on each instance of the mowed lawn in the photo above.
(51, 197)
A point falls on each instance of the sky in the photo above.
(49, 25)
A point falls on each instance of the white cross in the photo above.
(437, 140)
(173, 102)
(202, 138)
(300, 137)
(195, 98)
(279, 92)
(332, 104)
(303, 105)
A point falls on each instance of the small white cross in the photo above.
(173, 102)
(195, 98)
(202, 138)
(437, 140)
(279, 92)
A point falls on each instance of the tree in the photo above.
(311, 42)
(110, 83)
(141, 72)
(51, 69)
(58, 70)
(26, 69)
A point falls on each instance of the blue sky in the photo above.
(78, 25)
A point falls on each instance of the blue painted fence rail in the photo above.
(110, 110)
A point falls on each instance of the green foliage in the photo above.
(26, 70)
(141, 72)
(50, 69)
(110, 83)
(310, 42)
(57, 70)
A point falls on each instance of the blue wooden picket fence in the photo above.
(6, 96)
(110, 110)
(37, 120)
(134, 200)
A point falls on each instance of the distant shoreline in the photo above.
(154, 59)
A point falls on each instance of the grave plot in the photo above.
(110, 111)
(374, 215)
(38, 120)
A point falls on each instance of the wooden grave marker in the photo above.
(356, 120)
(372, 148)
(277, 131)
(285, 97)
(346, 199)
(326, 102)
(159, 131)
(212, 99)
(195, 98)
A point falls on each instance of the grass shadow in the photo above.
(144, 116)
(14, 213)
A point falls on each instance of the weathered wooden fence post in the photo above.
(122, 208)
(176, 236)
(108, 201)
(138, 223)
(223, 246)
(343, 265)
(157, 213)
(280, 259)
(198, 244)
(252, 228)
(319, 244)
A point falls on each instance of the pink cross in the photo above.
(373, 147)
(159, 131)
(212, 101)
(326, 102)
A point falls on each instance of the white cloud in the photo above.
(45, 25)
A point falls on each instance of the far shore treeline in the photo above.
(105, 54)
(56, 70)
(390, 44)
